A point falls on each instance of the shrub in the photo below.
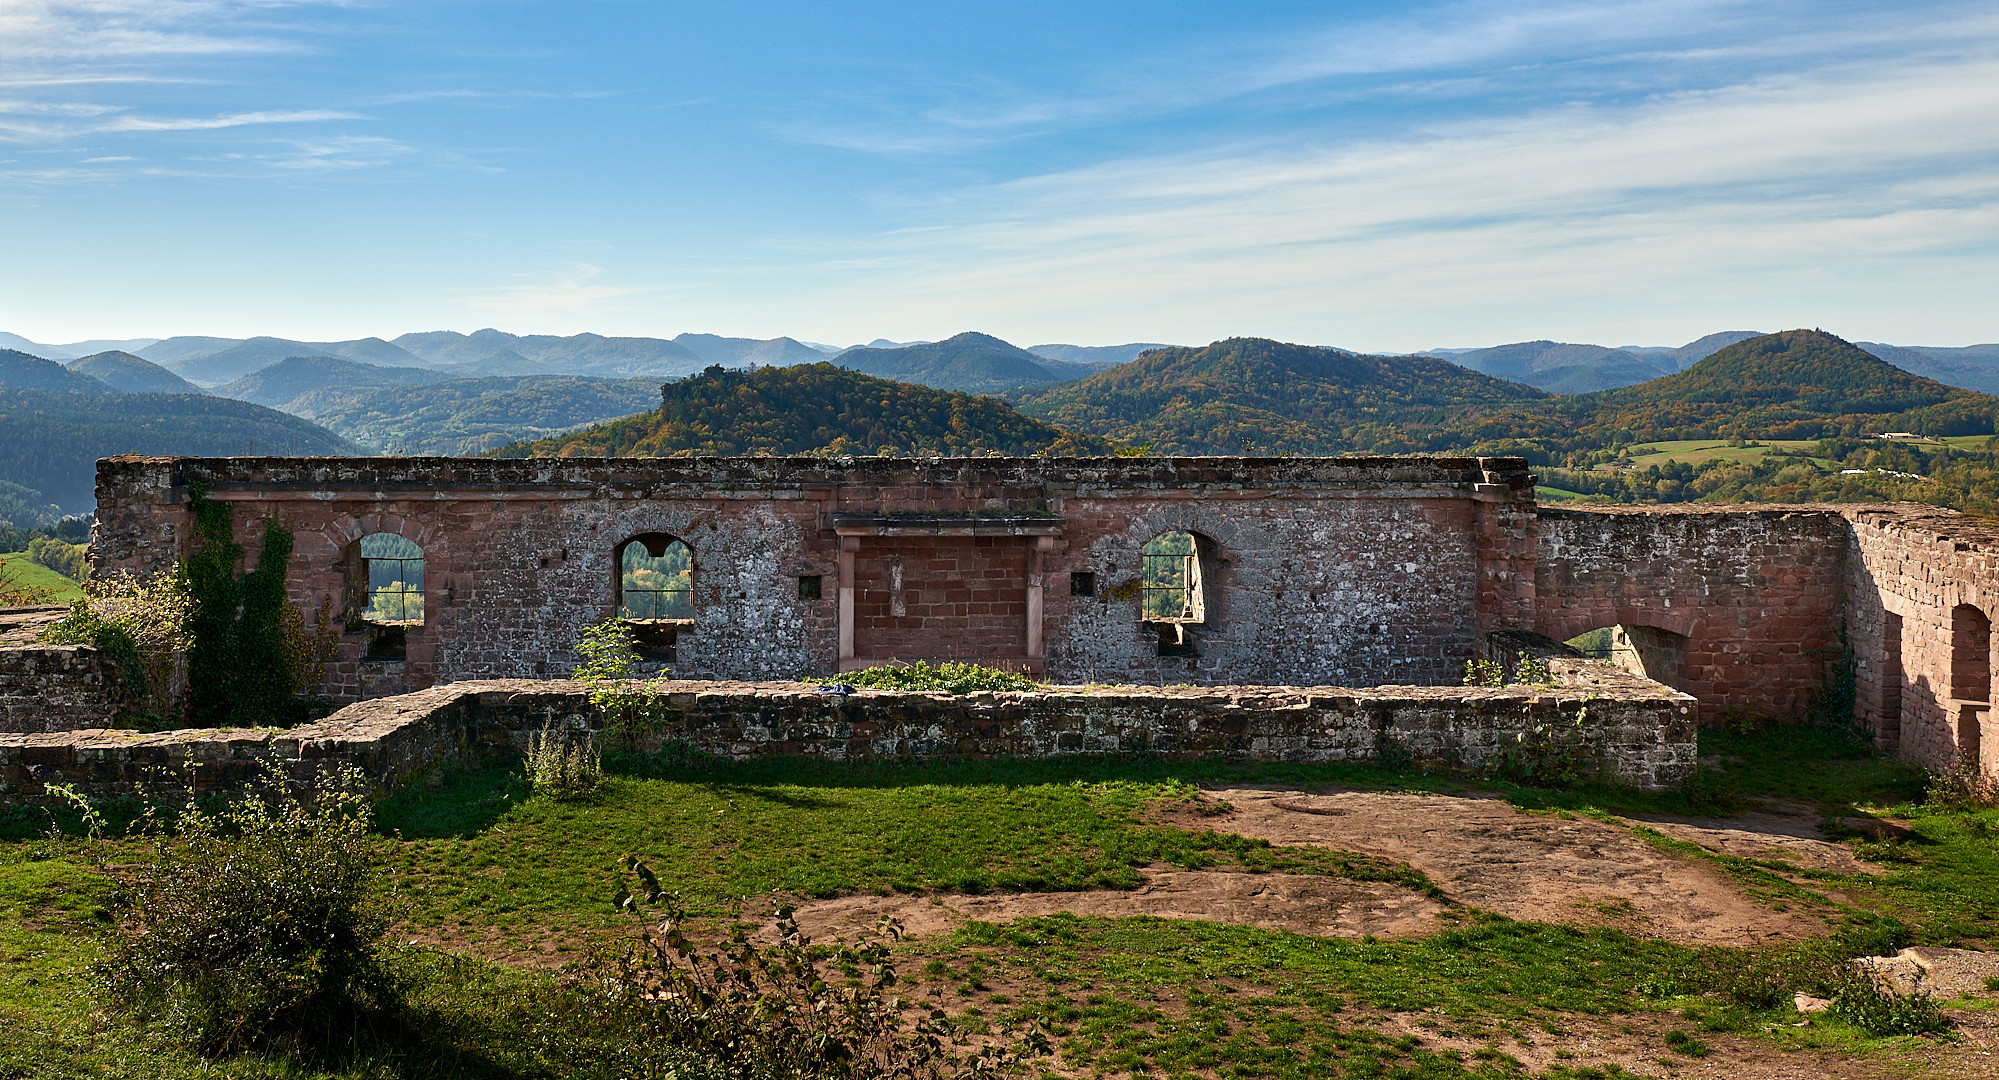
(788, 1009)
(563, 768)
(1962, 788)
(260, 926)
(142, 622)
(952, 677)
(1864, 1002)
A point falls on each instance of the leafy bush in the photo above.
(610, 653)
(1865, 1003)
(563, 768)
(789, 1009)
(952, 677)
(140, 621)
(259, 927)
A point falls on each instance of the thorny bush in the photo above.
(260, 927)
(789, 1009)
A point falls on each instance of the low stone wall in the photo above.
(54, 687)
(1638, 732)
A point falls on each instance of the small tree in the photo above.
(610, 655)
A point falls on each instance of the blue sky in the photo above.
(1376, 176)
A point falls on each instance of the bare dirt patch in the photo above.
(1543, 867)
(1774, 832)
(1304, 903)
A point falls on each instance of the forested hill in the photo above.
(1251, 395)
(813, 409)
(51, 442)
(1800, 384)
(973, 362)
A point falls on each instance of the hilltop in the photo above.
(128, 374)
(50, 442)
(1252, 395)
(19, 371)
(813, 409)
(1799, 384)
(973, 362)
(295, 376)
(471, 416)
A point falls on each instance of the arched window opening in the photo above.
(655, 587)
(1172, 596)
(385, 592)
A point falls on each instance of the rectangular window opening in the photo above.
(808, 587)
(1083, 584)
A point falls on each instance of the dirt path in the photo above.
(1307, 904)
(1545, 867)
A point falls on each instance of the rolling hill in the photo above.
(213, 367)
(128, 374)
(50, 442)
(813, 409)
(295, 376)
(493, 352)
(1094, 355)
(1563, 368)
(747, 352)
(19, 371)
(1251, 395)
(972, 362)
(472, 416)
(1799, 384)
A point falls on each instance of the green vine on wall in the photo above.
(239, 668)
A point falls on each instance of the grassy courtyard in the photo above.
(501, 890)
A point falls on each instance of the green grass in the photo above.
(1701, 451)
(1547, 494)
(1145, 994)
(476, 855)
(480, 851)
(33, 575)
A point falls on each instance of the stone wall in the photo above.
(1739, 606)
(54, 687)
(1637, 732)
(1911, 569)
(1358, 571)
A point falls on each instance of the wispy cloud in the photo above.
(1788, 179)
(212, 123)
(1489, 46)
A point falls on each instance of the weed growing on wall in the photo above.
(1550, 751)
(260, 926)
(631, 706)
(1528, 670)
(951, 677)
(142, 623)
(1962, 787)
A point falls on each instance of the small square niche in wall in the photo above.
(1083, 584)
(808, 587)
